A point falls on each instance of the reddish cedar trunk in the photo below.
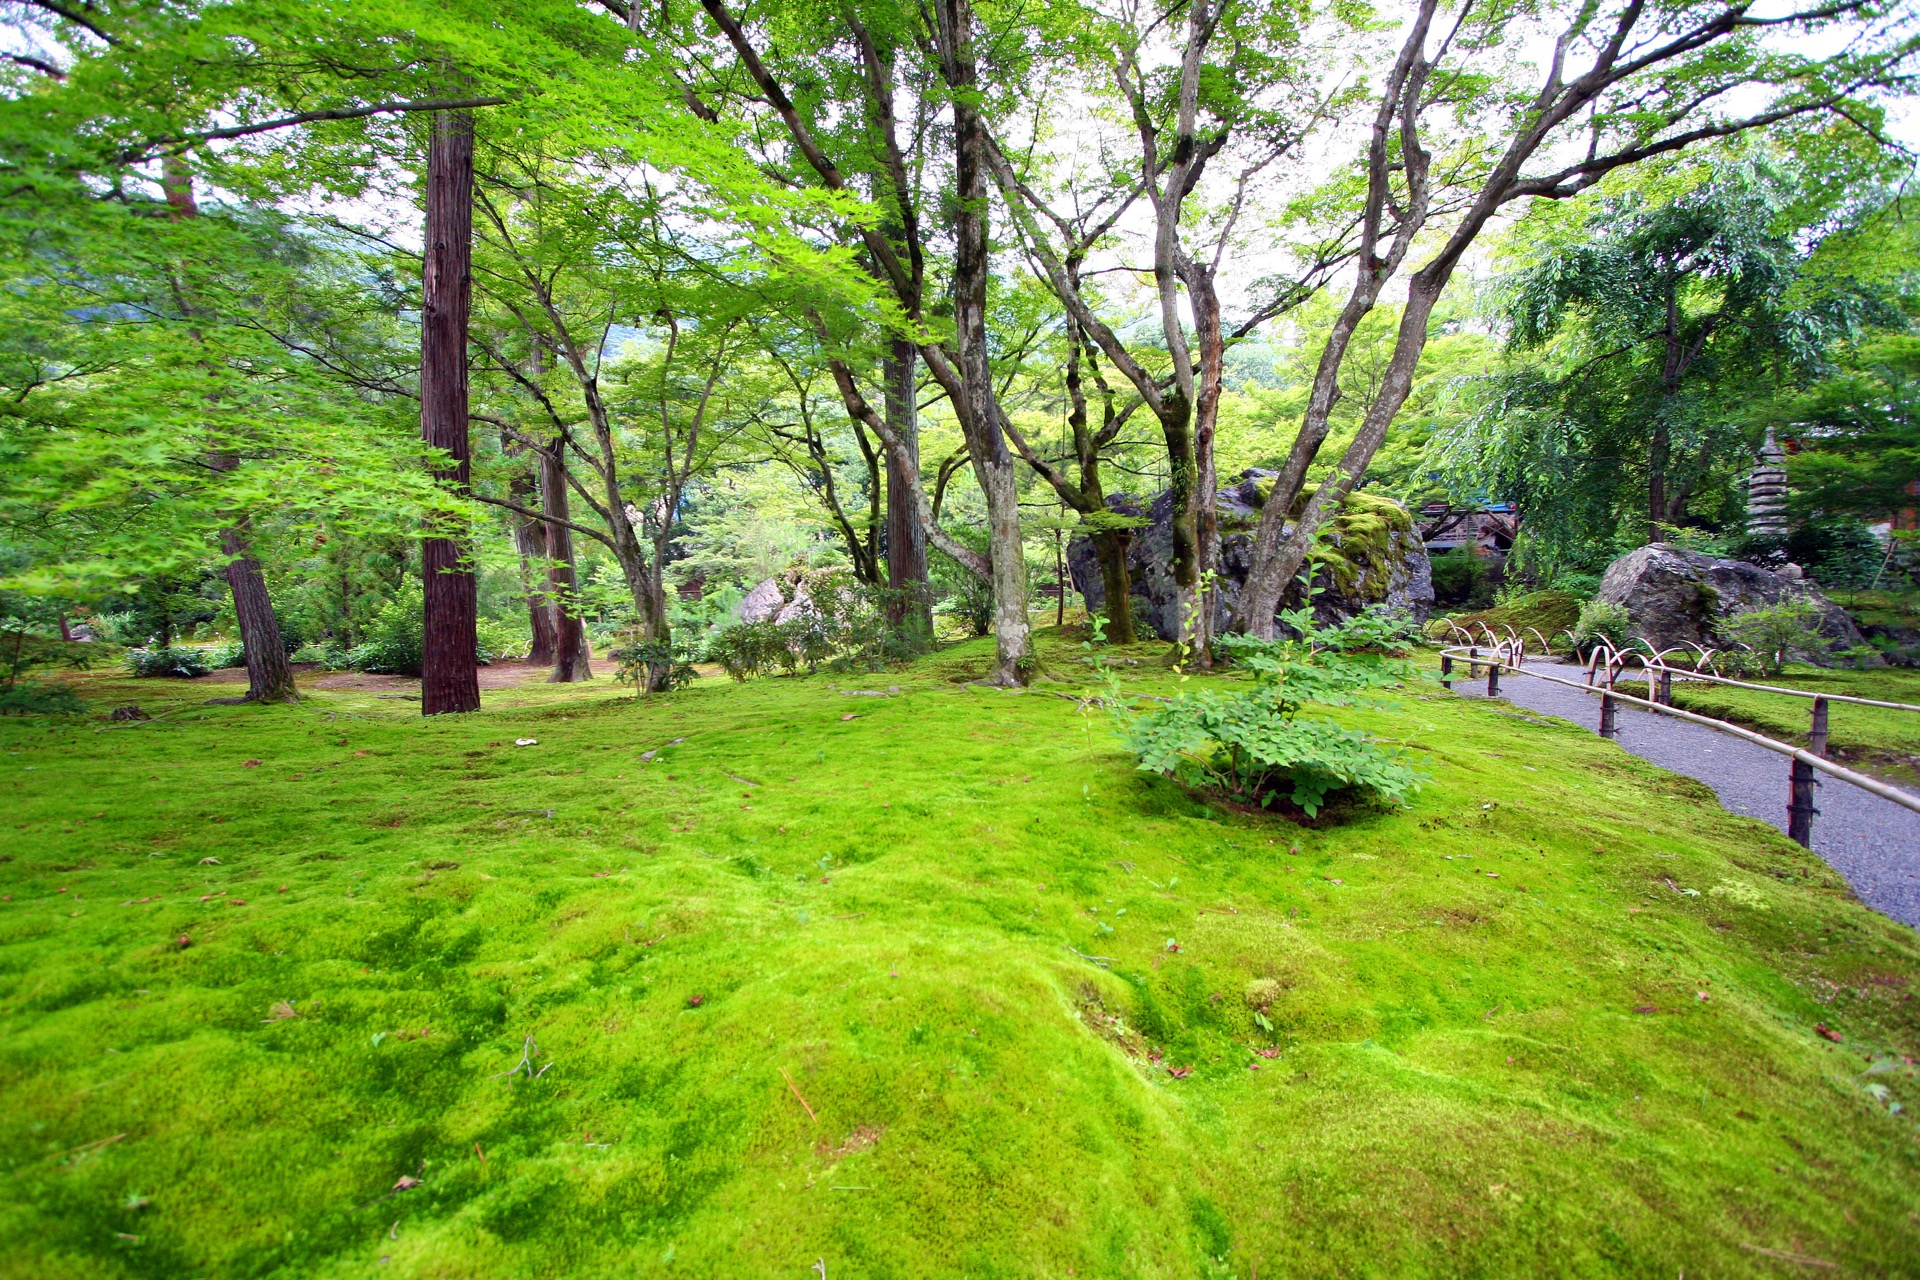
(906, 536)
(449, 666)
(570, 651)
(269, 674)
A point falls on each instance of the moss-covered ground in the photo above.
(1881, 740)
(928, 984)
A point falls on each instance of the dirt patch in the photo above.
(861, 1139)
(500, 675)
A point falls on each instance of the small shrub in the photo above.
(1601, 620)
(846, 629)
(1256, 747)
(1583, 585)
(396, 637)
(230, 654)
(639, 656)
(1777, 633)
(500, 640)
(746, 648)
(183, 664)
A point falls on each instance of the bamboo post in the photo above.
(1446, 671)
(1493, 678)
(1473, 667)
(1666, 688)
(1609, 710)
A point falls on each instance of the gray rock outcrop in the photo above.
(762, 604)
(1674, 596)
(1378, 559)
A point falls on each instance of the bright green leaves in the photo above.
(1256, 748)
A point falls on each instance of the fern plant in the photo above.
(1255, 746)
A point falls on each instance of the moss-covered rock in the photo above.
(1368, 554)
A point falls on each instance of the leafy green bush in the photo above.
(1777, 633)
(638, 655)
(846, 629)
(1255, 747)
(500, 640)
(184, 664)
(1583, 585)
(229, 654)
(396, 637)
(1601, 620)
(747, 648)
(20, 653)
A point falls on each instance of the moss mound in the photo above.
(735, 980)
(1548, 612)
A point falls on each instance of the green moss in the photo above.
(890, 912)
(1549, 612)
(1881, 608)
(1356, 547)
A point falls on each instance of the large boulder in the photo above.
(1373, 556)
(1675, 597)
(762, 604)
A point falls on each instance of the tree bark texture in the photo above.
(1206, 417)
(269, 674)
(530, 540)
(449, 666)
(906, 536)
(570, 650)
(980, 412)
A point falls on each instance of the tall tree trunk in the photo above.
(1659, 458)
(570, 651)
(906, 537)
(980, 412)
(1110, 546)
(1206, 418)
(530, 540)
(449, 666)
(269, 674)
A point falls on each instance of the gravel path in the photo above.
(1874, 843)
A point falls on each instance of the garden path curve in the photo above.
(1873, 843)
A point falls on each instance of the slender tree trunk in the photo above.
(1110, 546)
(530, 540)
(269, 674)
(570, 651)
(1059, 577)
(906, 537)
(1206, 416)
(659, 624)
(449, 668)
(1659, 458)
(980, 413)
